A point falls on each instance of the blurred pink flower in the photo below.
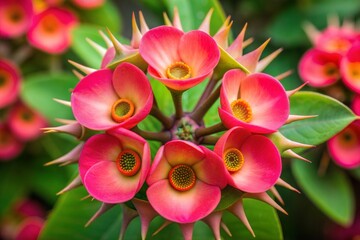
(10, 146)
(179, 60)
(257, 102)
(350, 68)
(249, 169)
(88, 3)
(114, 166)
(10, 80)
(185, 181)
(30, 229)
(51, 30)
(319, 68)
(106, 99)
(25, 122)
(15, 17)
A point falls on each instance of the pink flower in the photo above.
(88, 3)
(9, 82)
(350, 68)
(106, 99)
(257, 102)
(25, 122)
(30, 229)
(177, 59)
(344, 148)
(10, 146)
(249, 169)
(15, 17)
(319, 68)
(51, 30)
(335, 39)
(355, 104)
(113, 166)
(185, 181)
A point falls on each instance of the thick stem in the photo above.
(177, 99)
(55, 64)
(157, 136)
(200, 132)
(209, 140)
(199, 113)
(166, 121)
(208, 89)
(22, 54)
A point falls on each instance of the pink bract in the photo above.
(94, 96)
(163, 46)
(10, 146)
(98, 165)
(185, 204)
(10, 80)
(51, 30)
(344, 148)
(260, 97)
(15, 17)
(355, 104)
(29, 229)
(350, 68)
(88, 4)
(319, 68)
(25, 123)
(260, 169)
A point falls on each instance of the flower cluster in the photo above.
(333, 66)
(195, 167)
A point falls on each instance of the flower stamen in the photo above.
(241, 110)
(182, 177)
(122, 109)
(128, 162)
(178, 70)
(233, 159)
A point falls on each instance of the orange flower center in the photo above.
(331, 70)
(348, 138)
(5, 138)
(354, 70)
(4, 78)
(122, 109)
(50, 24)
(178, 70)
(233, 159)
(182, 177)
(338, 45)
(241, 110)
(128, 162)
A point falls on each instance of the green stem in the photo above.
(157, 136)
(177, 99)
(209, 140)
(199, 113)
(204, 131)
(166, 121)
(208, 89)
(55, 64)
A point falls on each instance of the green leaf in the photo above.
(229, 196)
(331, 193)
(39, 90)
(355, 172)
(332, 117)
(192, 13)
(107, 15)
(262, 218)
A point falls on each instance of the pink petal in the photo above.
(88, 4)
(126, 81)
(182, 152)
(10, 88)
(104, 182)
(10, 28)
(349, 69)
(234, 137)
(261, 169)
(98, 148)
(198, 50)
(344, 148)
(230, 87)
(29, 229)
(183, 207)
(108, 57)
(159, 48)
(160, 168)
(211, 164)
(50, 31)
(355, 105)
(314, 67)
(268, 100)
(92, 100)
(10, 147)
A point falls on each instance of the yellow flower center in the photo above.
(182, 177)
(122, 109)
(338, 45)
(178, 70)
(233, 159)
(241, 110)
(331, 70)
(128, 162)
(354, 70)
